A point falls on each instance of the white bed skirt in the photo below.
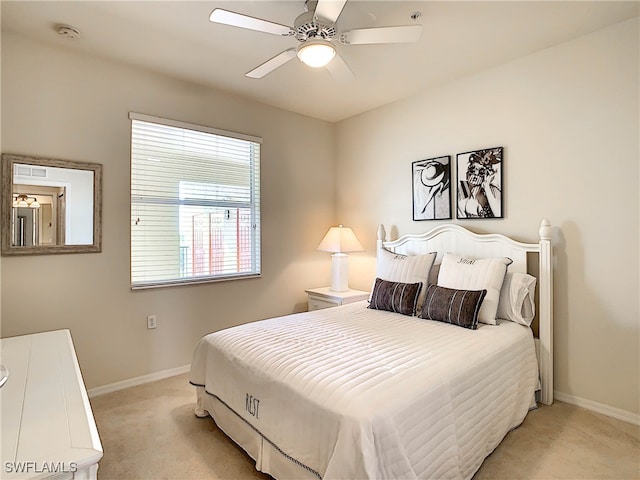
(268, 458)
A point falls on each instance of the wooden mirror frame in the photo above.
(8, 162)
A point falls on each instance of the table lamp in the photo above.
(338, 241)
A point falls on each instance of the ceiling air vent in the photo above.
(27, 171)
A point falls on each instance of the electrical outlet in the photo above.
(151, 321)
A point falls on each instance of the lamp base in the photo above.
(339, 272)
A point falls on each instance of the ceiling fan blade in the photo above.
(270, 65)
(363, 36)
(339, 69)
(329, 10)
(244, 21)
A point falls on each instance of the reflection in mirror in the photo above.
(35, 219)
(53, 206)
(72, 208)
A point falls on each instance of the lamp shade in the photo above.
(339, 240)
(316, 53)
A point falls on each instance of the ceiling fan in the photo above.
(317, 33)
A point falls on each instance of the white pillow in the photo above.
(395, 267)
(517, 298)
(476, 274)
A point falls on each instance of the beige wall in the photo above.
(1, 150)
(60, 104)
(568, 119)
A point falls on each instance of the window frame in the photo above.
(254, 205)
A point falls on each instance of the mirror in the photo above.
(50, 206)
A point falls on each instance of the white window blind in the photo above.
(195, 203)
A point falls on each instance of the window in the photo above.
(195, 203)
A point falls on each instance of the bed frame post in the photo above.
(545, 333)
(382, 234)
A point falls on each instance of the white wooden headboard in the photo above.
(458, 240)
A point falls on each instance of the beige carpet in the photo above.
(150, 432)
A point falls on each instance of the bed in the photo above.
(385, 388)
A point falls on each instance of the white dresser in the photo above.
(48, 429)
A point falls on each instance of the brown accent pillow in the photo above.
(457, 307)
(395, 296)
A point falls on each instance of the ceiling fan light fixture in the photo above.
(316, 53)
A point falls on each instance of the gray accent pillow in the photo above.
(395, 296)
(457, 307)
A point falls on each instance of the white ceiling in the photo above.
(176, 38)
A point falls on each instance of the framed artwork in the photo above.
(432, 188)
(479, 178)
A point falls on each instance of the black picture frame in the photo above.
(479, 184)
(431, 188)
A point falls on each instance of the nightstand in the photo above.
(325, 298)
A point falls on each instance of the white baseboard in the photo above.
(607, 410)
(132, 382)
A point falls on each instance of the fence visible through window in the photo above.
(219, 243)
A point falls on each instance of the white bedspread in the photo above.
(355, 393)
